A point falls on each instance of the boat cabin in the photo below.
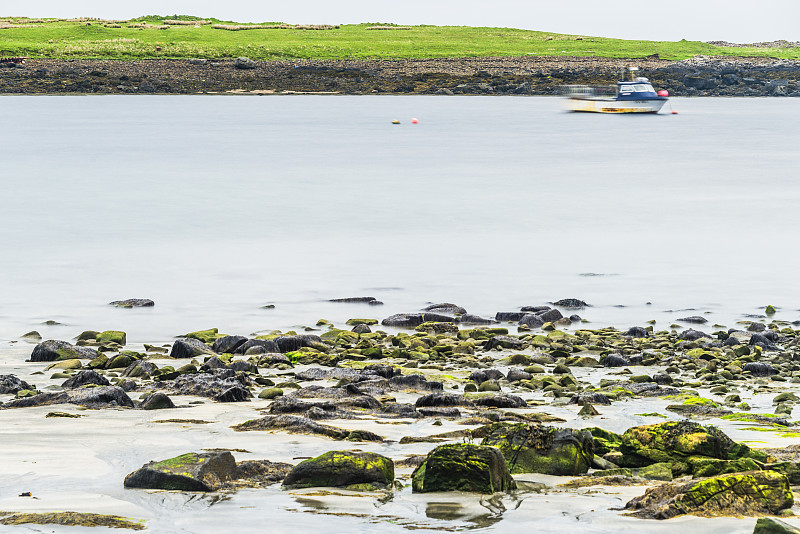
(636, 89)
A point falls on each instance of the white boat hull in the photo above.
(605, 105)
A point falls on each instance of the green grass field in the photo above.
(94, 39)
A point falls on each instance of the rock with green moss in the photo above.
(111, 336)
(702, 466)
(206, 336)
(69, 519)
(270, 393)
(676, 442)
(55, 350)
(187, 472)
(354, 322)
(353, 470)
(463, 467)
(738, 494)
(659, 471)
(770, 525)
(532, 448)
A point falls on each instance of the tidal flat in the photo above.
(665, 407)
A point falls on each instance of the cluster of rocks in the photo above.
(363, 371)
(530, 75)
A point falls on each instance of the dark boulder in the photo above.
(228, 344)
(267, 345)
(365, 300)
(469, 319)
(94, 397)
(762, 341)
(570, 303)
(133, 303)
(550, 316)
(535, 309)
(614, 360)
(532, 320)
(694, 319)
(582, 399)
(139, 369)
(348, 469)
(509, 316)
(12, 384)
(157, 401)
(445, 307)
(515, 375)
(503, 342)
(442, 399)
(415, 382)
(83, 378)
(189, 348)
(54, 350)
(212, 363)
(501, 401)
(463, 467)
(692, 335)
(759, 369)
(637, 332)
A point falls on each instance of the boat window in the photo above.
(626, 89)
(642, 88)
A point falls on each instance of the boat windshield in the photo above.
(637, 88)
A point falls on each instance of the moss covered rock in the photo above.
(187, 472)
(206, 336)
(111, 336)
(463, 467)
(532, 448)
(353, 470)
(738, 494)
(770, 525)
(677, 442)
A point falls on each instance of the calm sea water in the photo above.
(216, 206)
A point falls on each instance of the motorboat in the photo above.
(634, 95)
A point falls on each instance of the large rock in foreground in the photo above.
(352, 470)
(769, 525)
(540, 449)
(463, 467)
(738, 494)
(686, 445)
(188, 472)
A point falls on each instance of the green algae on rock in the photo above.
(770, 525)
(738, 494)
(677, 442)
(351, 470)
(463, 467)
(541, 449)
(71, 519)
(187, 472)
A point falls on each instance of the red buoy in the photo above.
(415, 121)
(663, 93)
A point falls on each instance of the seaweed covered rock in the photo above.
(770, 525)
(157, 401)
(352, 470)
(187, 472)
(737, 494)
(463, 467)
(532, 448)
(55, 350)
(682, 444)
(133, 303)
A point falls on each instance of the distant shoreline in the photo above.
(528, 75)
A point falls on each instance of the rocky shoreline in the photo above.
(698, 76)
(494, 400)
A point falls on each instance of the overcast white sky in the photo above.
(703, 20)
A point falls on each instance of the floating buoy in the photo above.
(663, 92)
(674, 112)
(395, 121)
(414, 121)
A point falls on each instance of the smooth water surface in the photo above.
(215, 206)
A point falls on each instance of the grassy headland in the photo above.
(193, 37)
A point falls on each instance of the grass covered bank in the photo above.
(192, 37)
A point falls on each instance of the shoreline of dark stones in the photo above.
(529, 75)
